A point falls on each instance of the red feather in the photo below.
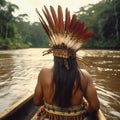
(67, 20)
(76, 28)
(60, 17)
(55, 18)
(88, 35)
(49, 18)
(44, 24)
(73, 22)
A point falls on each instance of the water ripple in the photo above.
(19, 71)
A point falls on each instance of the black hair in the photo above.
(64, 80)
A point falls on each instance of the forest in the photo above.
(103, 19)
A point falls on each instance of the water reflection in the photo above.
(106, 75)
(18, 74)
(19, 70)
(6, 66)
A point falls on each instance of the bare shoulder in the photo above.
(85, 79)
(85, 75)
(45, 71)
(44, 74)
(85, 72)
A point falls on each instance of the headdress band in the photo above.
(63, 53)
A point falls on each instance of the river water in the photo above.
(19, 70)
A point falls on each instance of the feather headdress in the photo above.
(67, 35)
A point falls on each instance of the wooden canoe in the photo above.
(25, 110)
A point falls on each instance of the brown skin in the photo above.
(45, 89)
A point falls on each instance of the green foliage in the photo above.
(10, 37)
(33, 33)
(15, 32)
(103, 19)
(38, 37)
(13, 44)
(2, 3)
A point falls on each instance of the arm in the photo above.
(91, 94)
(38, 95)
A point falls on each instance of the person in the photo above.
(65, 91)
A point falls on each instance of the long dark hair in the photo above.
(64, 80)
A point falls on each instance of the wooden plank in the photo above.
(12, 109)
(101, 115)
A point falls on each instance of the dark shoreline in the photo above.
(5, 47)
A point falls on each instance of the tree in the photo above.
(103, 19)
(7, 19)
(9, 34)
(38, 37)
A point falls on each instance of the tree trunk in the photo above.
(6, 31)
(116, 24)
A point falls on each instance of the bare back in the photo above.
(45, 89)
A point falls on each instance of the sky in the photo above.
(29, 6)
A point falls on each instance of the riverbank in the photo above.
(6, 47)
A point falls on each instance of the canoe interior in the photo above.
(25, 110)
(22, 110)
